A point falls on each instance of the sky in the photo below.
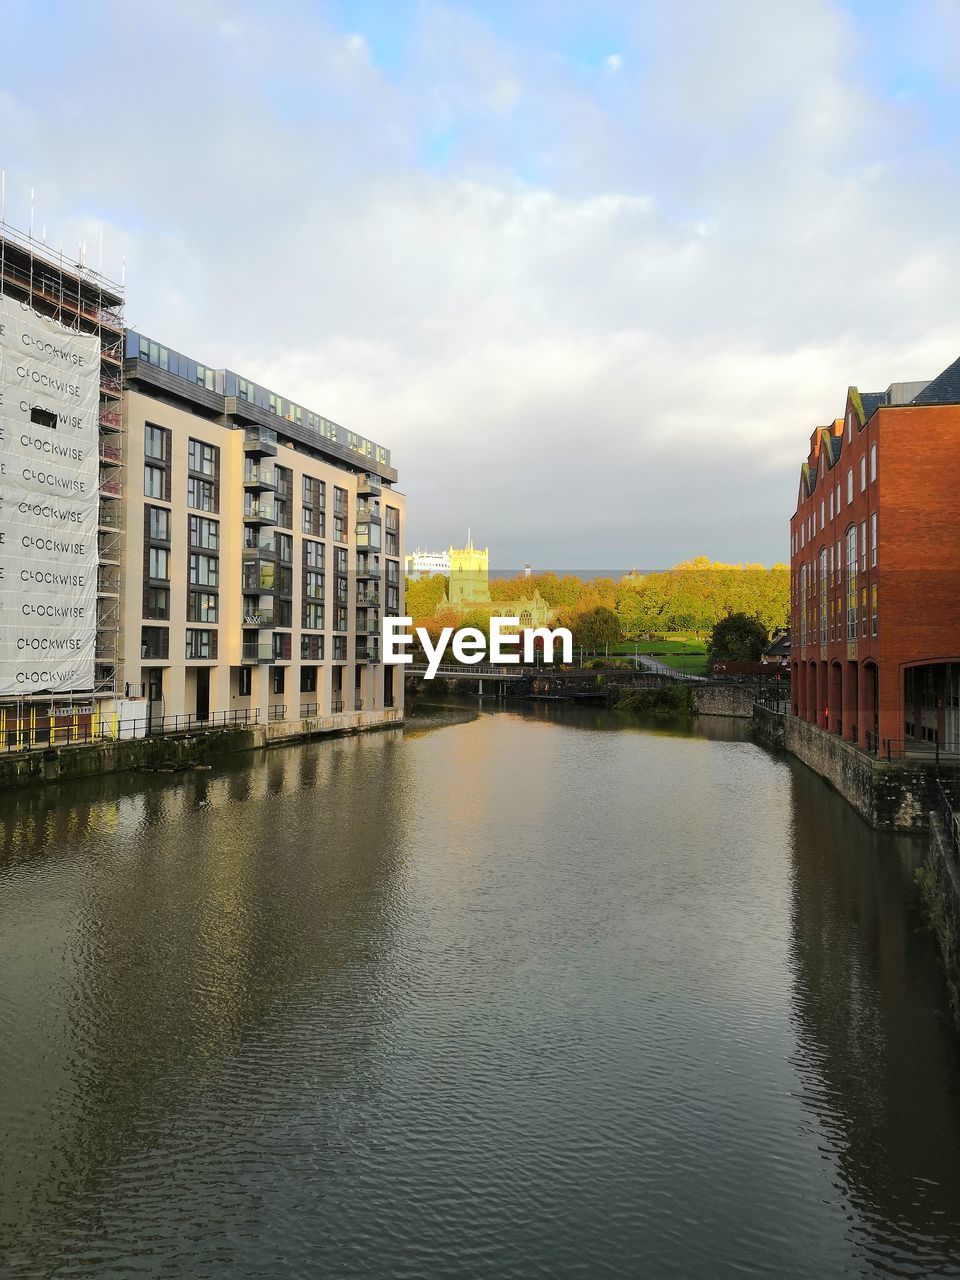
(592, 271)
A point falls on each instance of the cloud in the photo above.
(602, 329)
(613, 63)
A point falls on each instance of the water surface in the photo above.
(530, 995)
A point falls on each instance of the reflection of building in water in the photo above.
(875, 1065)
(468, 590)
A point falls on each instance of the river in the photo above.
(533, 994)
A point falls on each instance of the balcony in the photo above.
(258, 477)
(259, 651)
(368, 650)
(260, 442)
(336, 706)
(368, 513)
(369, 484)
(260, 511)
(258, 578)
(257, 616)
(367, 569)
(368, 622)
(368, 597)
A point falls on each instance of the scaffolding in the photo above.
(85, 301)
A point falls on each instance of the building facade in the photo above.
(176, 541)
(874, 556)
(262, 547)
(61, 469)
(424, 564)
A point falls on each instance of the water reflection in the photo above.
(875, 1054)
(523, 993)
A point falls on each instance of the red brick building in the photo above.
(875, 569)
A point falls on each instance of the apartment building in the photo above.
(874, 555)
(262, 545)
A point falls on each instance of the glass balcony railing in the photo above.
(259, 576)
(367, 568)
(258, 476)
(260, 441)
(368, 513)
(257, 651)
(369, 484)
(260, 510)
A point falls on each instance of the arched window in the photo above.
(873, 462)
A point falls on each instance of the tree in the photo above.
(424, 594)
(596, 628)
(737, 638)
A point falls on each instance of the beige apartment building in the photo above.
(262, 544)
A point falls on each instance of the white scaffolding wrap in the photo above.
(49, 501)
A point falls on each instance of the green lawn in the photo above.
(683, 653)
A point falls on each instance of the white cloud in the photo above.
(610, 325)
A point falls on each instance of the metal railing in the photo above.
(277, 712)
(26, 737)
(949, 818)
(358, 704)
(336, 707)
(309, 709)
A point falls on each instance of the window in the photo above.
(831, 504)
(201, 494)
(203, 606)
(839, 562)
(849, 486)
(278, 679)
(873, 610)
(311, 648)
(393, 601)
(156, 443)
(308, 679)
(313, 616)
(313, 584)
(340, 507)
(822, 522)
(863, 545)
(154, 482)
(200, 645)
(831, 564)
(204, 533)
(863, 473)
(202, 458)
(284, 500)
(803, 606)
(245, 682)
(339, 648)
(863, 611)
(204, 571)
(154, 642)
(156, 603)
(837, 493)
(281, 647)
(340, 559)
(852, 582)
(391, 543)
(312, 554)
(158, 563)
(823, 595)
(158, 524)
(873, 539)
(284, 548)
(873, 462)
(339, 529)
(313, 521)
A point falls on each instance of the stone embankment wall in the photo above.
(940, 879)
(891, 795)
(724, 700)
(168, 752)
